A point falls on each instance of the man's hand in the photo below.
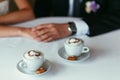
(51, 31)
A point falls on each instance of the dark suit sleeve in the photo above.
(42, 8)
(105, 21)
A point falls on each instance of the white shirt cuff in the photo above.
(82, 27)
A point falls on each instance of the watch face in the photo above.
(69, 29)
(72, 28)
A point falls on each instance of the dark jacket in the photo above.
(106, 19)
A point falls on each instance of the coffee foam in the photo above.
(33, 54)
(73, 41)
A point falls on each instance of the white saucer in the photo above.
(46, 65)
(81, 58)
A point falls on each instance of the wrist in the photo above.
(21, 31)
(16, 31)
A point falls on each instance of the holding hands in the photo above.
(44, 32)
(51, 31)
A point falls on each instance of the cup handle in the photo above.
(85, 49)
(23, 64)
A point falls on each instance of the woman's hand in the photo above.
(27, 32)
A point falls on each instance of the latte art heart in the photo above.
(32, 54)
(74, 41)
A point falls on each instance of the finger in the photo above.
(48, 39)
(43, 37)
(42, 32)
(39, 27)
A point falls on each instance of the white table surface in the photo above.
(103, 64)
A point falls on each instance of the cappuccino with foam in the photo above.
(75, 46)
(33, 60)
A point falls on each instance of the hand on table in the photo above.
(51, 31)
(27, 32)
(7, 31)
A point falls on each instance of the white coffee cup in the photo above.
(32, 60)
(75, 47)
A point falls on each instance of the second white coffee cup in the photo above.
(75, 47)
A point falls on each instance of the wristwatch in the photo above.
(72, 28)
